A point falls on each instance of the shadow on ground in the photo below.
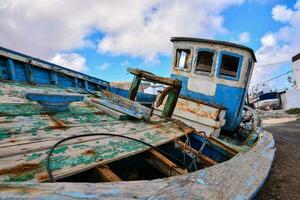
(284, 178)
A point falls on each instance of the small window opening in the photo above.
(229, 65)
(182, 57)
(204, 61)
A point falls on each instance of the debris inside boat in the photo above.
(194, 139)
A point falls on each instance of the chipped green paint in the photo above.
(61, 159)
(33, 156)
(61, 149)
(80, 146)
(31, 128)
(1, 93)
(3, 133)
(154, 138)
(38, 125)
(21, 177)
(81, 115)
(17, 109)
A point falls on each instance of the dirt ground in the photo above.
(284, 178)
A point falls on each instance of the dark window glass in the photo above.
(229, 65)
(204, 61)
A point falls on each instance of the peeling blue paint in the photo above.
(228, 96)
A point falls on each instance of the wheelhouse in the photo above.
(214, 71)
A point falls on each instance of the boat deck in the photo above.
(28, 132)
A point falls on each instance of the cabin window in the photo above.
(183, 58)
(230, 65)
(204, 61)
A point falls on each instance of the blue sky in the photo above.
(103, 38)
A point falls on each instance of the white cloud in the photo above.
(104, 66)
(132, 27)
(155, 23)
(72, 61)
(282, 13)
(243, 38)
(268, 40)
(278, 47)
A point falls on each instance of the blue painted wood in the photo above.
(3, 69)
(76, 82)
(40, 76)
(87, 77)
(213, 151)
(28, 73)
(86, 85)
(11, 69)
(53, 78)
(53, 97)
(229, 97)
(20, 71)
(53, 101)
(65, 81)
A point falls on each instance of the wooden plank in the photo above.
(219, 143)
(75, 158)
(207, 161)
(163, 164)
(239, 178)
(106, 174)
(123, 105)
(115, 114)
(153, 78)
(26, 145)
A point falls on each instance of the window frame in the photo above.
(176, 61)
(211, 73)
(238, 73)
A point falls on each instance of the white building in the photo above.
(291, 98)
(296, 69)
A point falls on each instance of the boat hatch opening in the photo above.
(183, 155)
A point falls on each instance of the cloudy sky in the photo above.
(104, 37)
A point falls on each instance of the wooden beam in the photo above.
(215, 141)
(106, 174)
(163, 164)
(207, 161)
(134, 88)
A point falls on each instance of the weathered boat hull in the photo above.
(238, 178)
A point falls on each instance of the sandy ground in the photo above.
(284, 178)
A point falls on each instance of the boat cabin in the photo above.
(214, 72)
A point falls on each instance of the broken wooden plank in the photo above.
(123, 105)
(206, 160)
(163, 164)
(115, 114)
(106, 174)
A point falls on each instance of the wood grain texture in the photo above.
(222, 181)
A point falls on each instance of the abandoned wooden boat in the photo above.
(193, 140)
